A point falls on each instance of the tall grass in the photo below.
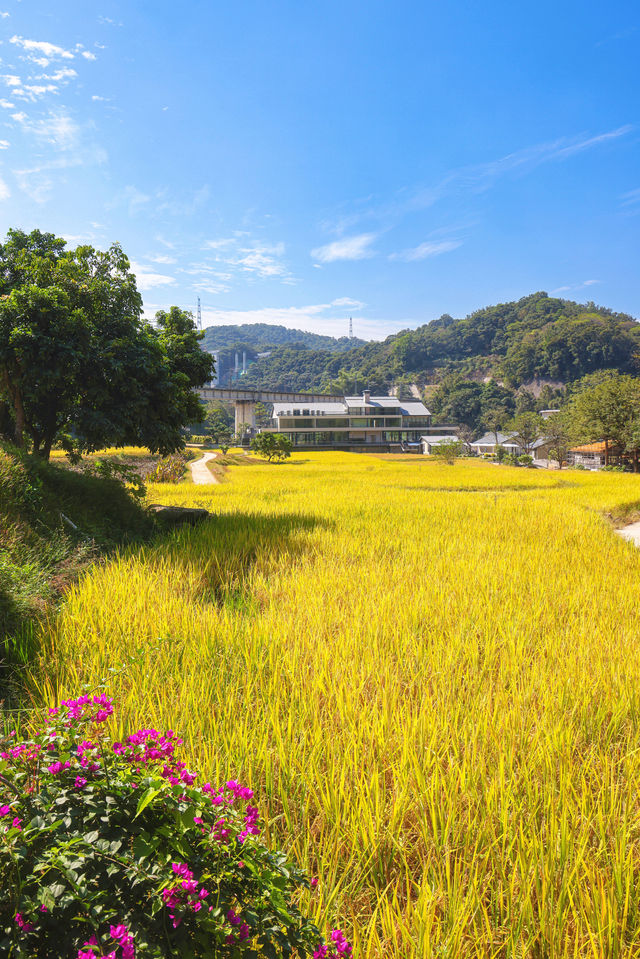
(430, 674)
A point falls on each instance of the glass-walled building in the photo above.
(357, 422)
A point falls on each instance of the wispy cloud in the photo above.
(630, 202)
(5, 192)
(57, 128)
(348, 248)
(460, 183)
(427, 249)
(161, 258)
(148, 279)
(242, 255)
(575, 287)
(42, 49)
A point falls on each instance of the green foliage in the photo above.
(448, 452)
(527, 427)
(77, 363)
(123, 473)
(54, 523)
(170, 469)
(111, 848)
(273, 446)
(536, 337)
(218, 419)
(525, 460)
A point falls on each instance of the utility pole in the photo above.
(350, 328)
(199, 321)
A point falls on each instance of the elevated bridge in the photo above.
(245, 400)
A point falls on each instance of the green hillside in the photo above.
(537, 337)
(255, 338)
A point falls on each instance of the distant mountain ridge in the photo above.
(262, 336)
(536, 337)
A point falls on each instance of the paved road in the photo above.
(630, 533)
(200, 472)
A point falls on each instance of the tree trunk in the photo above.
(606, 452)
(18, 408)
(46, 448)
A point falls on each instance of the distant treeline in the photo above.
(537, 337)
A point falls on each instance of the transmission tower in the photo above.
(199, 315)
(350, 328)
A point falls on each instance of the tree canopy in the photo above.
(78, 364)
(536, 337)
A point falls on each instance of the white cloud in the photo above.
(11, 80)
(242, 255)
(348, 248)
(134, 198)
(347, 301)
(4, 144)
(58, 129)
(4, 15)
(630, 202)
(88, 56)
(575, 287)
(61, 75)
(7, 104)
(98, 99)
(41, 51)
(161, 258)
(33, 92)
(5, 192)
(427, 249)
(148, 279)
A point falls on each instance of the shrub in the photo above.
(170, 469)
(448, 452)
(109, 850)
(123, 473)
(525, 460)
(273, 446)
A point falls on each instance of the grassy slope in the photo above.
(40, 552)
(429, 674)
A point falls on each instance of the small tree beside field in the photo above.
(272, 446)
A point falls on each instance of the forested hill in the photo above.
(263, 336)
(537, 337)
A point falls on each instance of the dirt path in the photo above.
(630, 533)
(200, 472)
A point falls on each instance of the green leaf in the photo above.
(146, 798)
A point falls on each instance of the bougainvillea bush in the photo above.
(112, 850)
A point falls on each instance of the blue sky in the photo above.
(297, 163)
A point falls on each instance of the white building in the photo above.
(354, 423)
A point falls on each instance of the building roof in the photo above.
(315, 408)
(589, 448)
(434, 439)
(385, 401)
(489, 439)
(408, 408)
(413, 408)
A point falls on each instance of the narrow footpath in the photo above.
(200, 472)
(630, 533)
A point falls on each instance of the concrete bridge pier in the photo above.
(245, 413)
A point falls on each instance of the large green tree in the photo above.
(606, 407)
(77, 362)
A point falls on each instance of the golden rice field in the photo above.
(429, 674)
